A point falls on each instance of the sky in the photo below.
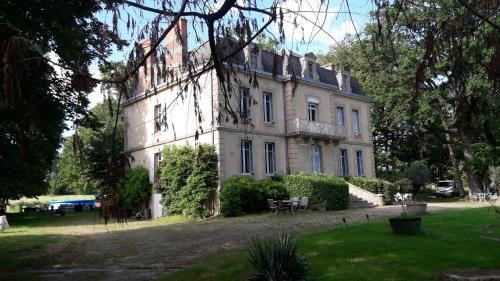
(302, 37)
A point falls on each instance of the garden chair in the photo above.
(398, 198)
(282, 206)
(295, 204)
(3, 223)
(304, 202)
(272, 206)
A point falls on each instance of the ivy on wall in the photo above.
(188, 179)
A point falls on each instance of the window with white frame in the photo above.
(246, 157)
(340, 116)
(344, 163)
(157, 118)
(244, 103)
(359, 163)
(270, 157)
(158, 158)
(267, 101)
(310, 72)
(315, 159)
(356, 126)
(312, 111)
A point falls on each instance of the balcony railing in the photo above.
(315, 129)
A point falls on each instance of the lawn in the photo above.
(451, 240)
(22, 245)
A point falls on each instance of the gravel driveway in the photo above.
(147, 253)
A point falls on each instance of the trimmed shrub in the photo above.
(331, 190)
(233, 193)
(243, 194)
(273, 188)
(372, 184)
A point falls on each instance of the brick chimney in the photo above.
(176, 46)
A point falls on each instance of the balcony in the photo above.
(306, 128)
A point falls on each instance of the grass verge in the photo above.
(452, 240)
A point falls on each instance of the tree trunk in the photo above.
(472, 179)
(457, 175)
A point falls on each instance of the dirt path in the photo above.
(147, 253)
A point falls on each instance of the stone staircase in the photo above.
(362, 199)
(359, 203)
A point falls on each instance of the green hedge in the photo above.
(371, 184)
(243, 194)
(331, 190)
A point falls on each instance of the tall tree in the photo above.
(432, 68)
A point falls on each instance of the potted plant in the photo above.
(415, 208)
(405, 223)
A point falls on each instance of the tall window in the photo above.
(246, 157)
(244, 103)
(315, 159)
(158, 75)
(158, 158)
(157, 118)
(312, 111)
(310, 74)
(270, 155)
(344, 162)
(356, 122)
(268, 107)
(359, 163)
(340, 116)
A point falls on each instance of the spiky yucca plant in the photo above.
(277, 259)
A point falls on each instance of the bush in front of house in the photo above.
(372, 184)
(135, 187)
(188, 178)
(331, 190)
(243, 194)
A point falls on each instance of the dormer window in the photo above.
(253, 59)
(310, 70)
(344, 82)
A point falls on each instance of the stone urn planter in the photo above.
(405, 225)
(416, 208)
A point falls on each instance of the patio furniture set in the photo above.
(483, 197)
(293, 205)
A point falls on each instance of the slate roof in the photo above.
(269, 61)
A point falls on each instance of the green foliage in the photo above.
(35, 98)
(71, 173)
(331, 190)
(188, 177)
(243, 194)
(419, 174)
(267, 43)
(277, 259)
(273, 188)
(372, 184)
(135, 187)
(238, 194)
